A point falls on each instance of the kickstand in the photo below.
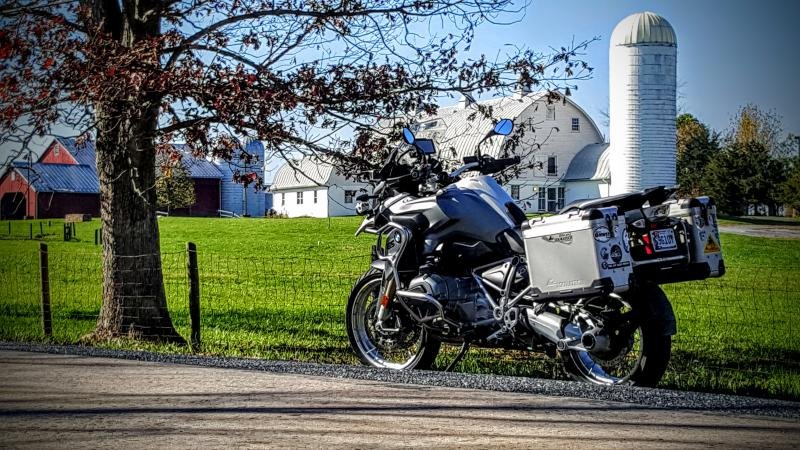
(459, 356)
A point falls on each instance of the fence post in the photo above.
(30, 228)
(47, 318)
(194, 295)
(96, 235)
(41, 229)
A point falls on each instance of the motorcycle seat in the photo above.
(624, 202)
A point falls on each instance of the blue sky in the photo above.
(730, 52)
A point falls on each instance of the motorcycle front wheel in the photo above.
(644, 353)
(402, 344)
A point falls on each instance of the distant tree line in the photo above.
(747, 165)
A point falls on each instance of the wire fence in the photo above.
(738, 333)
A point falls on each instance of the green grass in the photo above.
(276, 288)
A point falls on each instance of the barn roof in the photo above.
(591, 163)
(197, 167)
(83, 153)
(458, 129)
(306, 172)
(69, 178)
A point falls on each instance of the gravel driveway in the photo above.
(49, 400)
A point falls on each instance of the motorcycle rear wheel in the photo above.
(408, 348)
(646, 359)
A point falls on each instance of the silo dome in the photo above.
(643, 28)
(642, 91)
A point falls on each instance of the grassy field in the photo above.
(276, 288)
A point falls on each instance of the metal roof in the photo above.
(197, 167)
(456, 130)
(84, 153)
(306, 172)
(644, 28)
(591, 163)
(71, 178)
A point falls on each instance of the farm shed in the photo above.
(64, 180)
(312, 188)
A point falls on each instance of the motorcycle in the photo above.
(450, 266)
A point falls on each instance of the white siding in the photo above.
(308, 208)
(336, 204)
(564, 144)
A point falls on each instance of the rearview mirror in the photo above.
(504, 127)
(408, 136)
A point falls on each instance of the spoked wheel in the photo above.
(402, 344)
(638, 358)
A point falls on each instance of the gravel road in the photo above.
(756, 230)
(56, 400)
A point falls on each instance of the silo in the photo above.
(642, 82)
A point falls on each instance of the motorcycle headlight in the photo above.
(362, 208)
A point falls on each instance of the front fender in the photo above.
(380, 265)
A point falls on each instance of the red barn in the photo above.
(64, 181)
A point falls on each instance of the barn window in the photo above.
(551, 112)
(515, 191)
(576, 124)
(315, 196)
(348, 196)
(299, 198)
(56, 151)
(560, 198)
(13, 176)
(552, 167)
(283, 199)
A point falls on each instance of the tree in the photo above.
(174, 187)
(696, 146)
(751, 124)
(742, 174)
(295, 74)
(789, 190)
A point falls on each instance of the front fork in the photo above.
(386, 297)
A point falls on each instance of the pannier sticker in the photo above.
(604, 253)
(564, 238)
(616, 253)
(711, 246)
(698, 221)
(602, 234)
(625, 244)
(703, 235)
(619, 265)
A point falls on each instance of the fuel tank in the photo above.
(470, 210)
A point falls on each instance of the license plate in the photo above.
(663, 240)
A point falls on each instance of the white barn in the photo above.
(308, 188)
(561, 141)
(570, 157)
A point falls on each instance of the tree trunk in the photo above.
(134, 302)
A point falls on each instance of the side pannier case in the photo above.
(705, 248)
(578, 254)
